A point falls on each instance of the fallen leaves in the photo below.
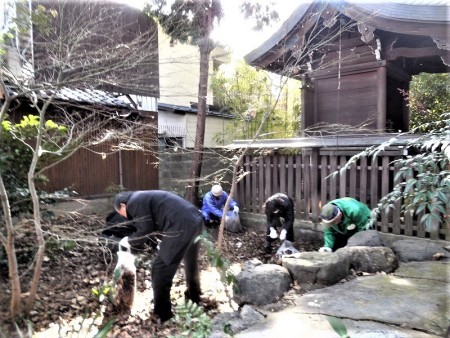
(65, 302)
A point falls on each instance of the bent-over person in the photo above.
(342, 218)
(279, 209)
(177, 223)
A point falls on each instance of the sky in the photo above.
(236, 32)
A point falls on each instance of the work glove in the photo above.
(283, 234)
(351, 227)
(325, 249)
(273, 233)
(236, 209)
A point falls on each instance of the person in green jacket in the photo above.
(342, 218)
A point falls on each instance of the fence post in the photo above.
(261, 183)
(434, 229)
(324, 182)
(363, 180)
(384, 191)
(342, 177)
(290, 176)
(299, 197)
(314, 164)
(396, 213)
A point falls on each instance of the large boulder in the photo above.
(365, 238)
(369, 259)
(261, 284)
(313, 270)
(408, 250)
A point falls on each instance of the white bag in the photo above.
(124, 278)
(232, 222)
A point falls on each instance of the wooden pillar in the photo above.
(381, 100)
(308, 113)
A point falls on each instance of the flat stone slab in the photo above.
(412, 302)
(434, 270)
(419, 304)
(296, 325)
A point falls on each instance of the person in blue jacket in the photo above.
(213, 203)
(177, 223)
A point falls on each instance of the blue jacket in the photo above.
(214, 206)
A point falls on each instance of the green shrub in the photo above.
(16, 154)
(192, 321)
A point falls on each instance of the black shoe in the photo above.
(193, 296)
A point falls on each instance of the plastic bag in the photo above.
(233, 222)
(124, 278)
(286, 248)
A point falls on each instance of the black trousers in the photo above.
(162, 276)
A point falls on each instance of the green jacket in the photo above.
(353, 212)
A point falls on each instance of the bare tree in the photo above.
(192, 21)
(59, 46)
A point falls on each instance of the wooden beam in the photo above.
(413, 52)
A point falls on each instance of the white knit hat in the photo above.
(216, 190)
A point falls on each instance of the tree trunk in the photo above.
(8, 242)
(234, 181)
(40, 240)
(36, 211)
(196, 168)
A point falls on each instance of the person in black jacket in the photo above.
(276, 207)
(177, 223)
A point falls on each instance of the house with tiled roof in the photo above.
(87, 73)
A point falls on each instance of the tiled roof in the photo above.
(415, 10)
(193, 110)
(89, 96)
(419, 11)
(83, 96)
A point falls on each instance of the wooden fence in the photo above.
(306, 179)
(92, 174)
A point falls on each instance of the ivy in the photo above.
(422, 180)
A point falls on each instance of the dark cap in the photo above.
(329, 213)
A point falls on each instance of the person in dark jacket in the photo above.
(213, 203)
(177, 223)
(342, 218)
(279, 206)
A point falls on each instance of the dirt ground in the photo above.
(76, 263)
